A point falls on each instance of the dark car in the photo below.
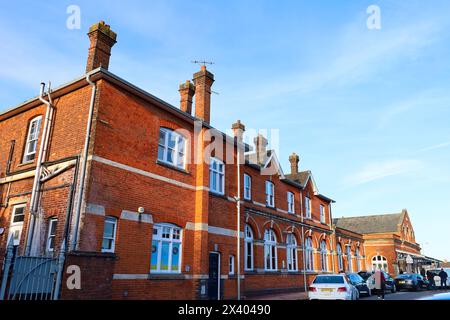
(390, 285)
(365, 274)
(410, 281)
(359, 283)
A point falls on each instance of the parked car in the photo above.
(332, 287)
(390, 285)
(357, 281)
(437, 279)
(365, 274)
(410, 281)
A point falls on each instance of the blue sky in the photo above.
(367, 110)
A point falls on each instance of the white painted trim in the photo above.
(196, 226)
(211, 229)
(147, 174)
(136, 217)
(95, 209)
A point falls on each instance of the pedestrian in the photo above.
(380, 283)
(430, 278)
(443, 275)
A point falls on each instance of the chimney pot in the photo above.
(203, 81)
(187, 91)
(294, 159)
(102, 40)
(238, 130)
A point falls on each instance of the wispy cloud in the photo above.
(379, 170)
(434, 147)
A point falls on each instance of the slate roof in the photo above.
(301, 177)
(385, 223)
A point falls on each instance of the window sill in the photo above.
(218, 195)
(168, 165)
(24, 164)
(166, 276)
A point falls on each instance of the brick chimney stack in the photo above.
(238, 130)
(187, 91)
(102, 40)
(203, 81)
(261, 147)
(294, 159)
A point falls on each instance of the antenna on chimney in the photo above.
(203, 62)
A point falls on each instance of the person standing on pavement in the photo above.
(430, 278)
(443, 275)
(380, 283)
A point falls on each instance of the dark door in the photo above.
(214, 276)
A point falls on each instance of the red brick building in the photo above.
(116, 177)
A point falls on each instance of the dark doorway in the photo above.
(214, 276)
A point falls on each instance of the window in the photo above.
(248, 248)
(308, 207)
(171, 148)
(339, 256)
(270, 251)
(290, 199)
(270, 194)
(358, 259)
(324, 256)
(322, 213)
(349, 259)
(109, 234)
(217, 176)
(231, 266)
(166, 249)
(51, 234)
(247, 187)
(291, 245)
(309, 252)
(16, 227)
(32, 139)
(380, 262)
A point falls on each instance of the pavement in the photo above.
(402, 295)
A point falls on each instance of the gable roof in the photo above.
(265, 163)
(385, 223)
(303, 178)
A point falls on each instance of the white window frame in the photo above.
(247, 187)
(291, 253)
(308, 207)
(248, 248)
(380, 261)
(51, 221)
(291, 202)
(171, 240)
(32, 138)
(113, 221)
(217, 186)
(16, 226)
(322, 213)
(340, 257)
(231, 265)
(324, 256)
(349, 259)
(270, 194)
(309, 254)
(179, 149)
(270, 250)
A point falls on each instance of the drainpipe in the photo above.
(238, 200)
(34, 201)
(303, 243)
(79, 199)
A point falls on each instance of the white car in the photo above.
(332, 287)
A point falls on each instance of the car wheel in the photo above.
(394, 289)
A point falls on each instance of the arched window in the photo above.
(32, 139)
(349, 259)
(323, 256)
(358, 259)
(248, 248)
(270, 250)
(291, 245)
(380, 262)
(166, 249)
(339, 257)
(309, 252)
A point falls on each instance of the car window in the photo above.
(329, 279)
(405, 276)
